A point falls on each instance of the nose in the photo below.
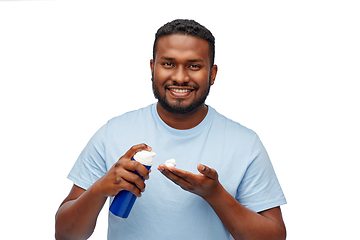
(180, 75)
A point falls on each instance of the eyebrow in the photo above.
(196, 60)
(190, 60)
(168, 58)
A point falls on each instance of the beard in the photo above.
(180, 108)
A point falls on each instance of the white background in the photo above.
(289, 70)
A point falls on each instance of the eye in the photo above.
(167, 64)
(195, 67)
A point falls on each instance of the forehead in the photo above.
(182, 46)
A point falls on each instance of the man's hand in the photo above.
(241, 222)
(205, 184)
(121, 177)
(77, 215)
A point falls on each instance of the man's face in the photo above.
(181, 73)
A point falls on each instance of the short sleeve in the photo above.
(259, 189)
(90, 165)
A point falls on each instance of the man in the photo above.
(233, 193)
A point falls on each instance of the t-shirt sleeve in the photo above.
(90, 165)
(259, 189)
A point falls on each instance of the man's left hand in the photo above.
(205, 184)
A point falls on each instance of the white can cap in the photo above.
(145, 157)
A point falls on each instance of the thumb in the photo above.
(208, 172)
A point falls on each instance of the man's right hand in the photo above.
(77, 215)
(121, 176)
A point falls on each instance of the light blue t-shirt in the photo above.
(165, 211)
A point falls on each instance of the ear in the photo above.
(152, 67)
(213, 73)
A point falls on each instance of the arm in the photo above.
(77, 215)
(241, 222)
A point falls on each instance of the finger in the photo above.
(135, 180)
(187, 176)
(209, 172)
(179, 177)
(183, 179)
(126, 180)
(136, 148)
(128, 186)
(133, 166)
(174, 170)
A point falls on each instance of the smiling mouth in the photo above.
(180, 90)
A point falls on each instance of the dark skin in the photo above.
(183, 60)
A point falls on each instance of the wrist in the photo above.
(216, 194)
(95, 191)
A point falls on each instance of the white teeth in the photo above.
(181, 90)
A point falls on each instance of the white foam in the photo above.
(145, 157)
(170, 163)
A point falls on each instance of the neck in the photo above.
(183, 121)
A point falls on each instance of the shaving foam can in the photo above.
(124, 200)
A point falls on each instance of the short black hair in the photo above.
(187, 27)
